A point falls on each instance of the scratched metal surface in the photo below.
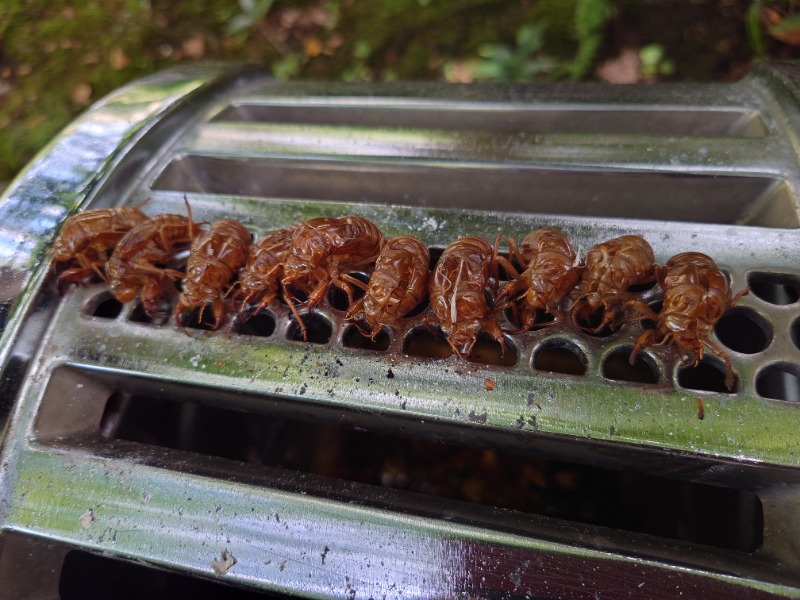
(717, 172)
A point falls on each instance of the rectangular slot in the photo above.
(511, 119)
(740, 200)
(87, 576)
(43, 568)
(716, 516)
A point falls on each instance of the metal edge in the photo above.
(66, 175)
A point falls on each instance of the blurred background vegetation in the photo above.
(59, 56)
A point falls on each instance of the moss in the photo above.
(51, 50)
(410, 40)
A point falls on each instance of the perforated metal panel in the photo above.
(339, 467)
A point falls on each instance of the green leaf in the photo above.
(495, 52)
(252, 12)
(488, 70)
(591, 16)
(666, 67)
(362, 50)
(530, 38)
(287, 66)
(753, 25)
(239, 23)
(651, 55)
(790, 25)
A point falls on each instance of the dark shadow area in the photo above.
(722, 517)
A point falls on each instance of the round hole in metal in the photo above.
(104, 306)
(774, 288)
(487, 351)
(435, 254)
(650, 323)
(297, 296)
(559, 356)
(421, 341)
(353, 338)
(338, 298)
(744, 330)
(707, 376)
(139, 315)
(541, 320)
(260, 325)
(795, 332)
(318, 329)
(589, 325)
(617, 366)
(779, 381)
(195, 319)
(504, 275)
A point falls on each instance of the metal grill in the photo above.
(342, 467)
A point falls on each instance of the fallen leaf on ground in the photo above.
(625, 68)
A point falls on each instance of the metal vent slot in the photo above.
(510, 119)
(113, 578)
(130, 581)
(276, 436)
(32, 568)
(676, 197)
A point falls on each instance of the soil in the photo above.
(57, 57)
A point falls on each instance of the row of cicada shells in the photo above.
(225, 270)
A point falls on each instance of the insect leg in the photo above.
(735, 299)
(724, 356)
(514, 252)
(218, 310)
(289, 299)
(636, 305)
(493, 329)
(71, 276)
(643, 341)
(353, 281)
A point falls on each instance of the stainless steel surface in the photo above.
(712, 168)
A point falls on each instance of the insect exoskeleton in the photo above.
(397, 285)
(214, 258)
(464, 273)
(696, 295)
(88, 238)
(551, 272)
(323, 252)
(611, 268)
(260, 280)
(134, 267)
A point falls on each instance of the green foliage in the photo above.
(58, 56)
(654, 62)
(753, 23)
(522, 63)
(788, 26)
(288, 66)
(359, 71)
(779, 18)
(591, 18)
(529, 60)
(253, 11)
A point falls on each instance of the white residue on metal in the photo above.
(195, 360)
(430, 224)
(87, 518)
(226, 561)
